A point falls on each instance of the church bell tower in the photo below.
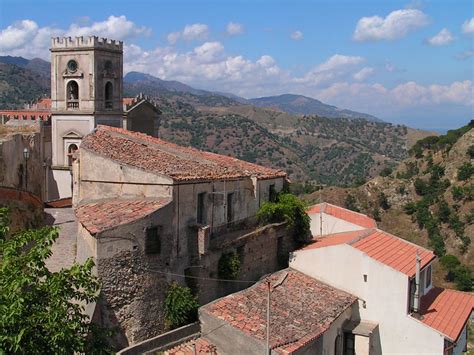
(86, 90)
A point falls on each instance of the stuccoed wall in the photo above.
(13, 166)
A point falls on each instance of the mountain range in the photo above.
(310, 140)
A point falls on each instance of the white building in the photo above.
(382, 271)
(329, 219)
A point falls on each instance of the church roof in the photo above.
(179, 163)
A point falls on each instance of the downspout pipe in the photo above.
(416, 298)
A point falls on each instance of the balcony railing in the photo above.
(73, 104)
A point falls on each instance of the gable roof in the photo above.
(101, 215)
(179, 163)
(303, 308)
(386, 248)
(447, 311)
(342, 213)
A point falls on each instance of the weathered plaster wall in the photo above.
(13, 165)
(142, 118)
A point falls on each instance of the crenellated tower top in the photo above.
(64, 43)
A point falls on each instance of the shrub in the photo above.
(456, 225)
(410, 208)
(383, 201)
(229, 266)
(457, 192)
(386, 171)
(351, 203)
(444, 212)
(470, 151)
(180, 306)
(376, 214)
(463, 278)
(437, 243)
(465, 242)
(290, 209)
(465, 171)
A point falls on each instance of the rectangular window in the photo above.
(349, 344)
(200, 208)
(152, 241)
(230, 207)
(428, 277)
(272, 194)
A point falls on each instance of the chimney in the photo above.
(416, 297)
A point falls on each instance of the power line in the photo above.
(201, 278)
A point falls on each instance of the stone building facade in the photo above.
(150, 211)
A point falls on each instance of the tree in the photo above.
(290, 209)
(180, 306)
(383, 201)
(465, 171)
(43, 311)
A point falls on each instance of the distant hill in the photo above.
(339, 151)
(428, 199)
(303, 105)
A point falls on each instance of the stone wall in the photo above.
(261, 251)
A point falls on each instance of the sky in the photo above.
(408, 62)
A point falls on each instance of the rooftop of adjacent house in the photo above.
(302, 309)
(342, 213)
(386, 248)
(193, 347)
(101, 215)
(447, 311)
(179, 163)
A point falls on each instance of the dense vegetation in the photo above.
(290, 209)
(42, 312)
(180, 306)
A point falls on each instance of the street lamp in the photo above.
(26, 155)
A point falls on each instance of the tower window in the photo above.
(72, 95)
(70, 151)
(200, 208)
(230, 207)
(109, 95)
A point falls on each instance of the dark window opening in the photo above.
(109, 103)
(152, 241)
(70, 151)
(230, 207)
(72, 95)
(282, 254)
(272, 194)
(349, 344)
(200, 208)
(428, 277)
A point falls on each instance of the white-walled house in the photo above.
(329, 219)
(381, 270)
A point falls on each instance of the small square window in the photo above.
(152, 241)
(365, 277)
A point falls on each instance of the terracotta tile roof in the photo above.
(127, 100)
(201, 345)
(101, 215)
(447, 311)
(387, 249)
(165, 158)
(302, 309)
(344, 214)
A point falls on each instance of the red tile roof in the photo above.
(302, 309)
(387, 249)
(101, 215)
(179, 163)
(201, 345)
(447, 311)
(344, 214)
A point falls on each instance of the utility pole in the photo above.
(268, 350)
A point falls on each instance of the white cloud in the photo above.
(26, 38)
(468, 26)
(234, 29)
(196, 31)
(297, 35)
(465, 55)
(442, 38)
(115, 27)
(364, 73)
(396, 25)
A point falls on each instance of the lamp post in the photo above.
(26, 155)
